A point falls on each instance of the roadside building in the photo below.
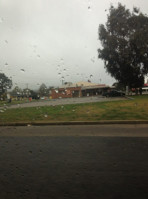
(79, 89)
(92, 89)
(67, 92)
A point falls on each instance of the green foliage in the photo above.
(119, 86)
(26, 92)
(17, 91)
(5, 83)
(43, 91)
(124, 40)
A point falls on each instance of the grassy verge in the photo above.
(6, 103)
(136, 109)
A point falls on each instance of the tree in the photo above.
(5, 83)
(43, 91)
(17, 91)
(26, 92)
(125, 45)
(118, 86)
(34, 94)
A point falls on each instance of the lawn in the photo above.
(134, 109)
(3, 103)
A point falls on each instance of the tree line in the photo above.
(6, 83)
(35, 94)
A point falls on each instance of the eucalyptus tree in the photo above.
(124, 40)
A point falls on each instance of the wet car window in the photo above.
(51, 54)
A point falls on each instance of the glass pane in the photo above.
(49, 51)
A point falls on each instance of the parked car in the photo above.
(113, 93)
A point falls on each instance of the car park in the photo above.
(113, 93)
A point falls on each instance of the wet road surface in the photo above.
(55, 102)
(59, 162)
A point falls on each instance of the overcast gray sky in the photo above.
(45, 41)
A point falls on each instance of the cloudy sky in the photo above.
(47, 41)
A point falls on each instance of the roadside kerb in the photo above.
(74, 123)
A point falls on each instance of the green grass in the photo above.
(136, 109)
(2, 103)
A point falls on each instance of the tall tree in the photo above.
(5, 83)
(124, 39)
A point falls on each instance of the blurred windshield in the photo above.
(54, 44)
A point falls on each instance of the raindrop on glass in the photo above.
(63, 78)
(136, 11)
(22, 70)
(93, 59)
(1, 20)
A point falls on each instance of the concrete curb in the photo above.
(102, 122)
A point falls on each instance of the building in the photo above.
(92, 89)
(67, 92)
(79, 89)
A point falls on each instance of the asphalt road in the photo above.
(54, 102)
(66, 162)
